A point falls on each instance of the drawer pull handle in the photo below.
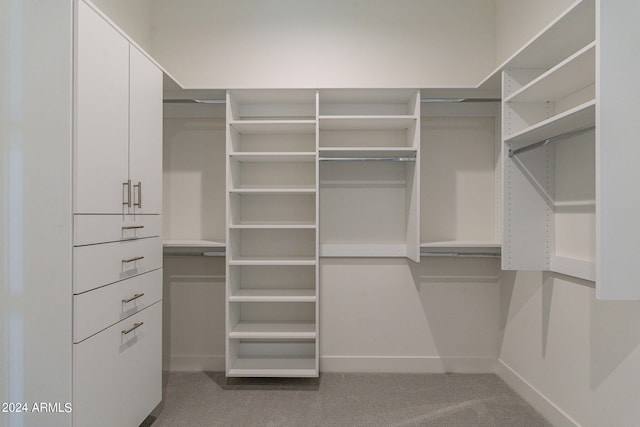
(133, 328)
(139, 202)
(128, 200)
(137, 258)
(132, 227)
(133, 298)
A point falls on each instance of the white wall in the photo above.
(576, 358)
(517, 21)
(332, 43)
(35, 208)
(132, 16)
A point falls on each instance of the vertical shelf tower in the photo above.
(272, 234)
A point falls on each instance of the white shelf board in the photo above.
(283, 190)
(284, 226)
(187, 243)
(272, 261)
(570, 31)
(274, 367)
(573, 267)
(368, 152)
(274, 330)
(366, 122)
(273, 295)
(275, 224)
(575, 73)
(273, 157)
(363, 250)
(463, 246)
(257, 127)
(576, 118)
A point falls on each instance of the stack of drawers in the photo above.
(117, 318)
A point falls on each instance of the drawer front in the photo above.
(92, 229)
(117, 377)
(100, 308)
(99, 265)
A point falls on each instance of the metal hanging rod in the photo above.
(367, 159)
(461, 254)
(550, 140)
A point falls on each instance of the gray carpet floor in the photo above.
(203, 399)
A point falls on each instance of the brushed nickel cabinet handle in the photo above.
(132, 227)
(133, 298)
(128, 185)
(133, 328)
(137, 258)
(139, 202)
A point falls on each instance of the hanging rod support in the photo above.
(550, 140)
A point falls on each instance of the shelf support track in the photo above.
(552, 140)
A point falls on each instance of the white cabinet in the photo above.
(101, 151)
(116, 373)
(117, 253)
(145, 134)
(118, 150)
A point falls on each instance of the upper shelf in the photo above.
(256, 127)
(558, 40)
(368, 152)
(569, 76)
(276, 157)
(367, 122)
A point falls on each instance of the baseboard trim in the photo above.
(404, 364)
(533, 397)
(197, 363)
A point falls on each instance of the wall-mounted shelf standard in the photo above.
(272, 234)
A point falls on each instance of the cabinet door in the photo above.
(102, 116)
(145, 134)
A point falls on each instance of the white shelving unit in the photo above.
(194, 187)
(369, 173)
(549, 114)
(461, 157)
(272, 234)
